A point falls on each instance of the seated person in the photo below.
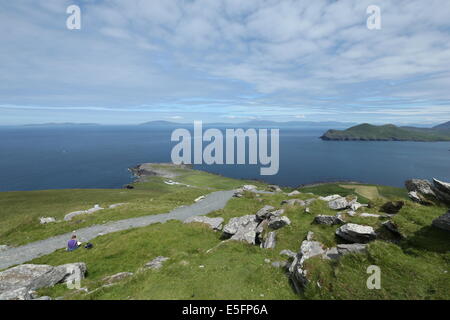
(73, 243)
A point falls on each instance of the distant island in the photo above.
(389, 132)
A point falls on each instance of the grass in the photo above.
(413, 268)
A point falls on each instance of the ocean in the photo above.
(60, 157)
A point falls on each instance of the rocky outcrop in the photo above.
(213, 223)
(425, 192)
(278, 222)
(443, 222)
(242, 229)
(392, 207)
(264, 212)
(328, 220)
(19, 282)
(356, 233)
(156, 263)
(288, 253)
(294, 193)
(274, 188)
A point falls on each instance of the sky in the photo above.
(224, 61)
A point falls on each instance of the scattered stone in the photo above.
(267, 260)
(330, 198)
(393, 228)
(270, 241)
(263, 213)
(46, 220)
(278, 222)
(249, 187)
(214, 223)
(328, 220)
(392, 207)
(310, 249)
(18, 283)
(443, 222)
(274, 188)
(241, 229)
(351, 248)
(341, 203)
(307, 210)
(117, 277)
(156, 263)
(310, 236)
(294, 193)
(356, 233)
(288, 253)
(74, 271)
(369, 215)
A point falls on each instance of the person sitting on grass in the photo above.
(73, 243)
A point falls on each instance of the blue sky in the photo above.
(224, 60)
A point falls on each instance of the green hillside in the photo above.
(203, 266)
(388, 132)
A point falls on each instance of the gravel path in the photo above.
(13, 256)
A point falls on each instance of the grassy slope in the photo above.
(386, 132)
(416, 268)
(20, 211)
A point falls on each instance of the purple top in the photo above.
(72, 244)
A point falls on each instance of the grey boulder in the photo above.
(264, 212)
(356, 233)
(328, 220)
(278, 222)
(351, 248)
(443, 222)
(270, 241)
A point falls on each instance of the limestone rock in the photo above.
(330, 198)
(443, 222)
(328, 220)
(351, 248)
(242, 229)
(214, 223)
(43, 220)
(74, 271)
(270, 241)
(274, 188)
(263, 213)
(331, 254)
(356, 233)
(340, 203)
(294, 193)
(278, 222)
(369, 215)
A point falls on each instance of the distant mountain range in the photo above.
(390, 132)
(256, 123)
(58, 124)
